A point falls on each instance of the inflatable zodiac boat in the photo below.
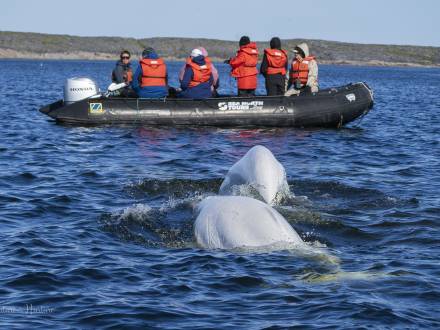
(333, 107)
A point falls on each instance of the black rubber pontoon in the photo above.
(333, 107)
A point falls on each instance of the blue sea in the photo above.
(96, 223)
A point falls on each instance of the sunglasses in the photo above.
(125, 57)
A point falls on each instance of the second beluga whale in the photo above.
(260, 170)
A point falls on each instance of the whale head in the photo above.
(260, 170)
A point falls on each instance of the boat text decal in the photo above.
(96, 108)
(243, 105)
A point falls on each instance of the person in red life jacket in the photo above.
(197, 78)
(274, 68)
(215, 75)
(151, 78)
(244, 67)
(303, 75)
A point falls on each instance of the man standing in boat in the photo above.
(303, 74)
(274, 68)
(244, 67)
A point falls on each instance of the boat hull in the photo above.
(329, 108)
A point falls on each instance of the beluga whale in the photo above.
(232, 222)
(260, 170)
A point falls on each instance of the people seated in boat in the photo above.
(215, 75)
(244, 67)
(122, 73)
(197, 78)
(303, 75)
(151, 79)
(274, 68)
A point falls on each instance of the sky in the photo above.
(401, 22)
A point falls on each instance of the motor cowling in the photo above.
(79, 88)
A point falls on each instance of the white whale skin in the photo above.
(259, 169)
(229, 222)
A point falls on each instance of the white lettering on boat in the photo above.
(244, 105)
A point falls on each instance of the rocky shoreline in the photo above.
(81, 55)
(20, 45)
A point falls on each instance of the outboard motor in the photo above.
(79, 88)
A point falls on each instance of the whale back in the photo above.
(259, 169)
(228, 222)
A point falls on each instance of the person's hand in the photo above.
(292, 92)
(227, 61)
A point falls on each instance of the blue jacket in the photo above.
(201, 91)
(148, 91)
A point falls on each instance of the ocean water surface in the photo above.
(97, 222)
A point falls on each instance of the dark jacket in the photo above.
(201, 91)
(149, 91)
(119, 73)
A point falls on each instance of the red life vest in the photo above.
(202, 73)
(128, 77)
(154, 72)
(276, 60)
(300, 70)
(244, 64)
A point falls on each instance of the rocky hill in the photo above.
(52, 46)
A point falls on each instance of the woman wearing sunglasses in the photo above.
(122, 72)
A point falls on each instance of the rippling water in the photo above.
(96, 222)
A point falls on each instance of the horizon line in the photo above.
(226, 40)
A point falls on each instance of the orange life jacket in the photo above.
(202, 73)
(300, 70)
(128, 76)
(154, 72)
(249, 67)
(276, 60)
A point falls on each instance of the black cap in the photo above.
(244, 40)
(275, 43)
(147, 51)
